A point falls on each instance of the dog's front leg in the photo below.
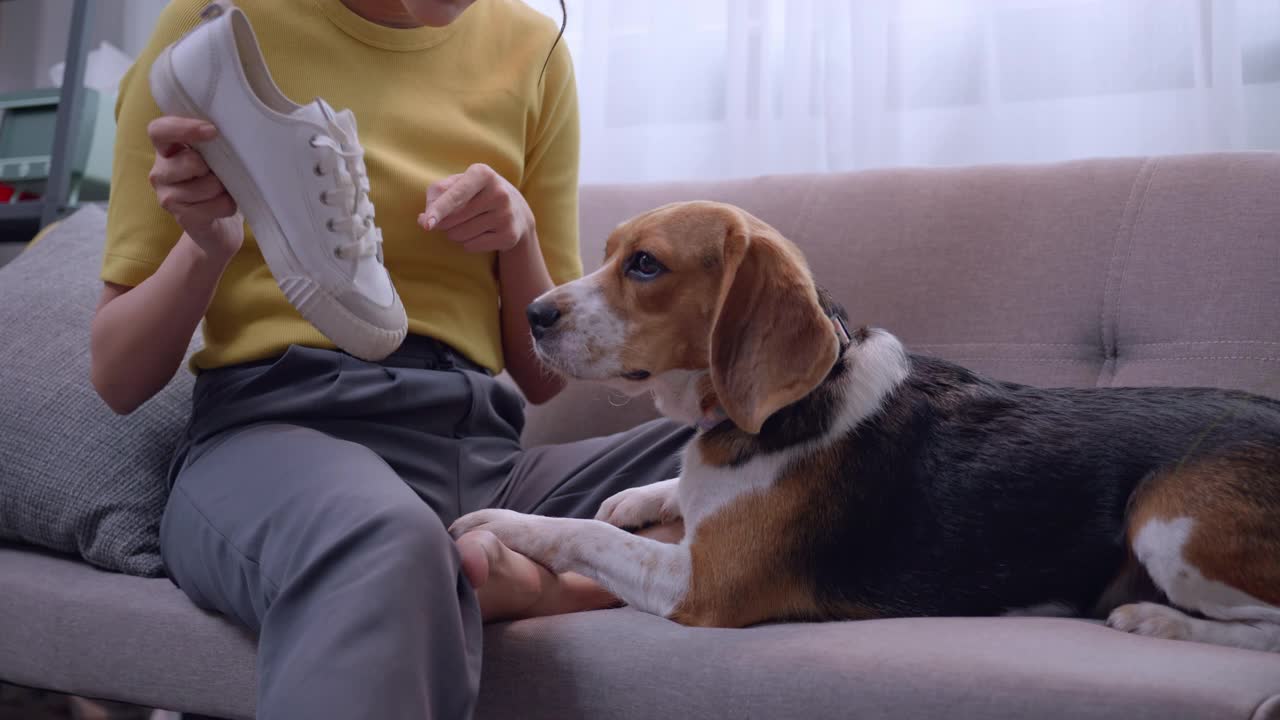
(646, 574)
(642, 506)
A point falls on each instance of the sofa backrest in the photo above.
(1136, 271)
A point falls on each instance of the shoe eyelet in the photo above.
(329, 224)
(319, 171)
(337, 252)
(324, 197)
(312, 141)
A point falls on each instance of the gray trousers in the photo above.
(310, 500)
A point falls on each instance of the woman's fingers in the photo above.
(170, 134)
(478, 225)
(466, 186)
(202, 214)
(484, 202)
(184, 165)
(192, 192)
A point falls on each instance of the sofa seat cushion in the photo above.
(71, 627)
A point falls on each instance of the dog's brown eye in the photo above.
(643, 266)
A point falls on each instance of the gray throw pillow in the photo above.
(74, 476)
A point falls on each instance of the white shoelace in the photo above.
(352, 196)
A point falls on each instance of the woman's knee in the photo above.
(278, 505)
(410, 530)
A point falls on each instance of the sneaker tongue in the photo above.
(347, 121)
(326, 110)
(319, 112)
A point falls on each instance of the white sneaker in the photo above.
(297, 173)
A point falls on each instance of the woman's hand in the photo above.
(482, 212)
(479, 210)
(188, 189)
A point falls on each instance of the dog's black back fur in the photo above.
(966, 496)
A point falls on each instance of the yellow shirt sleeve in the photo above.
(550, 183)
(140, 233)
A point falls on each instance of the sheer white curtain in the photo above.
(702, 89)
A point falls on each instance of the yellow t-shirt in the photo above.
(429, 102)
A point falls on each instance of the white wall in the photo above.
(33, 35)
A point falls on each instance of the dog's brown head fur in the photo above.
(697, 286)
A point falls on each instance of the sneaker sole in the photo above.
(317, 305)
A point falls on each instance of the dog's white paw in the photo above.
(1152, 620)
(539, 538)
(641, 506)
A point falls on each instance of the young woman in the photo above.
(312, 490)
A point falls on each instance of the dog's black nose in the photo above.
(542, 315)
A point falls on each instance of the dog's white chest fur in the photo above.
(705, 489)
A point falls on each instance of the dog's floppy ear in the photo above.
(771, 343)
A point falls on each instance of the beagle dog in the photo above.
(835, 475)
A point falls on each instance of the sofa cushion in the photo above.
(74, 476)
(70, 627)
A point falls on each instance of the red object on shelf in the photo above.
(6, 194)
